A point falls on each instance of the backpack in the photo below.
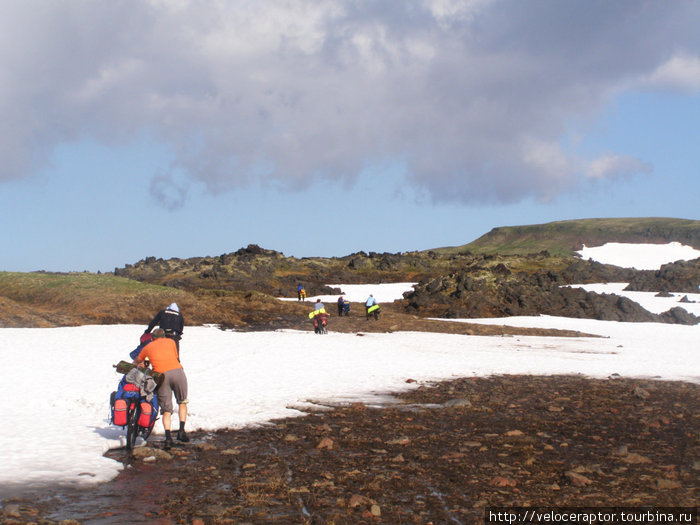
(126, 394)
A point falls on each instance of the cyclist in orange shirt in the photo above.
(162, 353)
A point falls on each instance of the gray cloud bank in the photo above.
(473, 97)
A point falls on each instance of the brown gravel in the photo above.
(392, 319)
(439, 454)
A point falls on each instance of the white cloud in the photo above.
(450, 11)
(108, 77)
(681, 72)
(548, 158)
(303, 87)
(610, 166)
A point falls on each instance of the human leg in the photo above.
(165, 400)
(179, 385)
(182, 413)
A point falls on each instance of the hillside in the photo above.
(51, 299)
(45, 300)
(565, 237)
(272, 273)
(509, 271)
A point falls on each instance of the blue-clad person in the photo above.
(372, 307)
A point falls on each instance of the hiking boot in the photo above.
(182, 436)
(168, 443)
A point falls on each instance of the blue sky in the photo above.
(322, 128)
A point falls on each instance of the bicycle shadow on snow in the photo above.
(115, 436)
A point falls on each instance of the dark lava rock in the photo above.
(468, 294)
(680, 277)
(678, 315)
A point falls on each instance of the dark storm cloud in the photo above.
(473, 97)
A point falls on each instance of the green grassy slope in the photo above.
(565, 237)
(69, 299)
(83, 297)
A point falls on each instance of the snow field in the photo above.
(56, 382)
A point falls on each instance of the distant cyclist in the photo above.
(372, 307)
(343, 306)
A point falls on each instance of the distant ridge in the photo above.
(509, 271)
(565, 237)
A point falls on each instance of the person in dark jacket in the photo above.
(171, 321)
(343, 306)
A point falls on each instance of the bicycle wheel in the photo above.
(132, 427)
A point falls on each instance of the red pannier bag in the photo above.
(119, 417)
(146, 413)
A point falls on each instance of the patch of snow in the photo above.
(238, 379)
(57, 382)
(639, 256)
(358, 293)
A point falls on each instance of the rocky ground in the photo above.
(496, 291)
(240, 290)
(681, 276)
(391, 319)
(441, 453)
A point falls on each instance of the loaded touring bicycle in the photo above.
(134, 405)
